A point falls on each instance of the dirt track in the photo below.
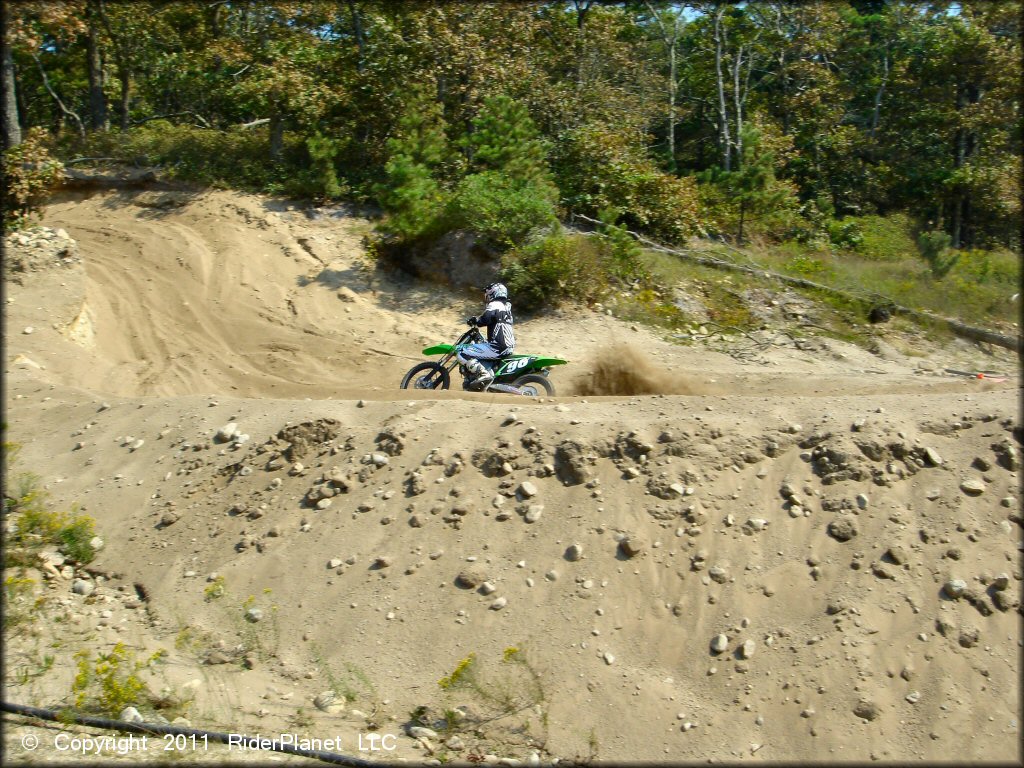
(189, 312)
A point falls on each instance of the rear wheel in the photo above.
(427, 376)
(534, 385)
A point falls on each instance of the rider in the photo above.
(497, 317)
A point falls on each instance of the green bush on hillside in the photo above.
(500, 209)
(600, 168)
(30, 174)
(554, 268)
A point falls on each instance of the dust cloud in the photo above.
(623, 370)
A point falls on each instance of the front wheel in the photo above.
(534, 385)
(427, 376)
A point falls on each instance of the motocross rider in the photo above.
(497, 317)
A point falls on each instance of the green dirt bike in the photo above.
(515, 374)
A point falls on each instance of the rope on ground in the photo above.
(61, 716)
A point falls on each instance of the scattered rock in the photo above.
(225, 433)
(747, 649)
(83, 587)
(574, 553)
(969, 637)
(131, 715)
(526, 490)
(630, 546)
(329, 702)
(718, 574)
(843, 528)
(973, 486)
(719, 643)
(954, 588)
(898, 554)
(471, 577)
(866, 710)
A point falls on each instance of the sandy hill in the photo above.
(811, 554)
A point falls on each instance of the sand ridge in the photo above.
(702, 489)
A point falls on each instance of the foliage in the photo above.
(509, 686)
(234, 158)
(19, 608)
(413, 200)
(411, 195)
(885, 238)
(934, 249)
(34, 524)
(554, 268)
(623, 260)
(215, 589)
(504, 139)
(501, 209)
(601, 168)
(352, 683)
(860, 109)
(110, 682)
(30, 174)
(323, 181)
(752, 189)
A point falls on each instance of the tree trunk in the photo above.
(97, 99)
(672, 106)
(879, 94)
(12, 125)
(737, 96)
(126, 87)
(357, 29)
(276, 135)
(723, 112)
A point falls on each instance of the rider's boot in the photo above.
(482, 375)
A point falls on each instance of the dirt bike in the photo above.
(515, 374)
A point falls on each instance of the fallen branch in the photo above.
(53, 93)
(963, 330)
(196, 115)
(133, 177)
(254, 123)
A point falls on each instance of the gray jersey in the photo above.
(497, 317)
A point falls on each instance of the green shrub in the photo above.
(845, 233)
(989, 267)
(885, 238)
(500, 209)
(624, 252)
(34, 524)
(413, 199)
(320, 181)
(237, 157)
(600, 168)
(806, 266)
(934, 249)
(553, 268)
(30, 174)
(110, 682)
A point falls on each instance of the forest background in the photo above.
(823, 133)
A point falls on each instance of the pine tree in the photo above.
(411, 194)
(754, 185)
(505, 139)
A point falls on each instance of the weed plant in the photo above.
(33, 524)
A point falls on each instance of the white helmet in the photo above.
(495, 291)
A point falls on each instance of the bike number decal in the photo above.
(515, 365)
